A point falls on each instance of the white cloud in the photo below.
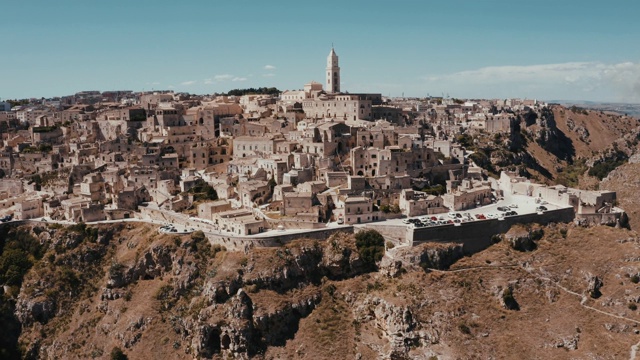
(269, 67)
(572, 80)
(223, 77)
(269, 75)
(187, 83)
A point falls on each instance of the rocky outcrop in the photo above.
(339, 260)
(427, 256)
(219, 291)
(242, 333)
(305, 264)
(398, 325)
(29, 311)
(152, 263)
(520, 241)
(594, 284)
(278, 326)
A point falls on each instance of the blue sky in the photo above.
(561, 49)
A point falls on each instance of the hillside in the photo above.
(559, 145)
(149, 295)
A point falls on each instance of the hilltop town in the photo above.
(316, 223)
(246, 168)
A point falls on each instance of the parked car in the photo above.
(503, 208)
(513, 206)
(480, 217)
(541, 208)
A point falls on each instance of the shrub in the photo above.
(118, 354)
(198, 236)
(509, 301)
(632, 306)
(563, 233)
(464, 329)
(203, 192)
(536, 234)
(604, 167)
(635, 279)
(370, 244)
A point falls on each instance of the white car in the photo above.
(513, 206)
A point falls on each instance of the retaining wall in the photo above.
(397, 234)
(476, 236)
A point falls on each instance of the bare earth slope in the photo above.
(159, 296)
(591, 130)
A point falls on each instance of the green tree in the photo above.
(118, 354)
(370, 244)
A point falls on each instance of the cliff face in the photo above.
(558, 144)
(90, 290)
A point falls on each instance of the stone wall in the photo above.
(476, 236)
(397, 234)
(610, 219)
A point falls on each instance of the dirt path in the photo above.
(583, 298)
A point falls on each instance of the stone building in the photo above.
(466, 194)
(208, 209)
(333, 73)
(253, 192)
(239, 222)
(391, 160)
(414, 203)
(28, 208)
(356, 210)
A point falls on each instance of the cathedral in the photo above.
(333, 73)
(318, 102)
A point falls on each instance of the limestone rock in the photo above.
(520, 241)
(594, 284)
(39, 310)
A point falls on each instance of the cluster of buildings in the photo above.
(243, 165)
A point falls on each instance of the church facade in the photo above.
(330, 102)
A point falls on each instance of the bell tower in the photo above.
(333, 73)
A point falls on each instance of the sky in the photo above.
(536, 49)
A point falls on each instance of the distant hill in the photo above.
(619, 108)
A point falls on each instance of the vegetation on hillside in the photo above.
(203, 192)
(254, 91)
(602, 168)
(370, 244)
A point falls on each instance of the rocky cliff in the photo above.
(89, 290)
